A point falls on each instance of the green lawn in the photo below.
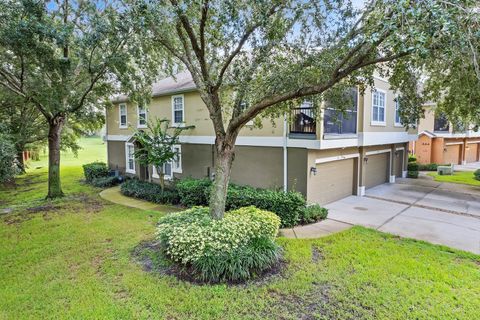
(71, 259)
(462, 177)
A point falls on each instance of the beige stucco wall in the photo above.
(196, 114)
(389, 109)
(428, 122)
(116, 155)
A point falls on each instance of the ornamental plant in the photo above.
(235, 248)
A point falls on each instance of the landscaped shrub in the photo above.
(428, 167)
(105, 182)
(192, 191)
(235, 248)
(95, 170)
(412, 158)
(287, 205)
(412, 170)
(477, 174)
(313, 213)
(150, 192)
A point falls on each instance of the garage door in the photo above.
(334, 180)
(399, 163)
(376, 169)
(452, 154)
(471, 152)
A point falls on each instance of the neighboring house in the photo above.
(325, 160)
(442, 142)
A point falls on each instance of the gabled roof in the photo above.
(181, 82)
(428, 134)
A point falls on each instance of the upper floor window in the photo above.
(336, 122)
(142, 116)
(441, 123)
(130, 157)
(178, 110)
(378, 107)
(398, 120)
(123, 115)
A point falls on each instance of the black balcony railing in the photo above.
(303, 121)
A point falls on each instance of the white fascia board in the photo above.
(118, 137)
(382, 137)
(370, 153)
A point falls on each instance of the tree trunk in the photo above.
(223, 165)
(55, 129)
(21, 163)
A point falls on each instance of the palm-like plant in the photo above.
(155, 146)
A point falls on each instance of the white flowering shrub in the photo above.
(233, 248)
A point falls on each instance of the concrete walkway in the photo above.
(315, 230)
(114, 195)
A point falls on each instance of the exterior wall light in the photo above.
(313, 170)
(365, 159)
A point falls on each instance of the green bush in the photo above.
(477, 174)
(287, 205)
(313, 213)
(235, 248)
(149, 191)
(412, 174)
(105, 182)
(412, 166)
(192, 191)
(412, 158)
(95, 170)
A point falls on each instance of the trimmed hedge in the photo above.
(192, 191)
(313, 213)
(412, 170)
(412, 158)
(289, 206)
(235, 248)
(105, 182)
(477, 174)
(95, 170)
(149, 191)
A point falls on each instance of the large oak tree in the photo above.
(252, 58)
(64, 57)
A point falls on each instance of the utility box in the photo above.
(445, 170)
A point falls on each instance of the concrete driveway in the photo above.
(472, 166)
(440, 213)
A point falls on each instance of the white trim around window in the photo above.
(178, 110)
(142, 110)
(379, 101)
(129, 158)
(396, 114)
(122, 112)
(177, 161)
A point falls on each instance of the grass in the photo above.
(72, 259)
(461, 177)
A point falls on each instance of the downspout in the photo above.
(285, 163)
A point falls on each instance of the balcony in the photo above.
(303, 124)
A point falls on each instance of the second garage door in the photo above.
(334, 180)
(376, 169)
(452, 154)
(471, 152)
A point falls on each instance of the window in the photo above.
(243, 107)
(170, 167)
(378, 108)
(142, 116)
(177, 160)
(178, 110)
(398, 121)
(441, 123)
(336, 122)
(130, 157)
(123, 115)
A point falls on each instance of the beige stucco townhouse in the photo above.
(324, 160)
